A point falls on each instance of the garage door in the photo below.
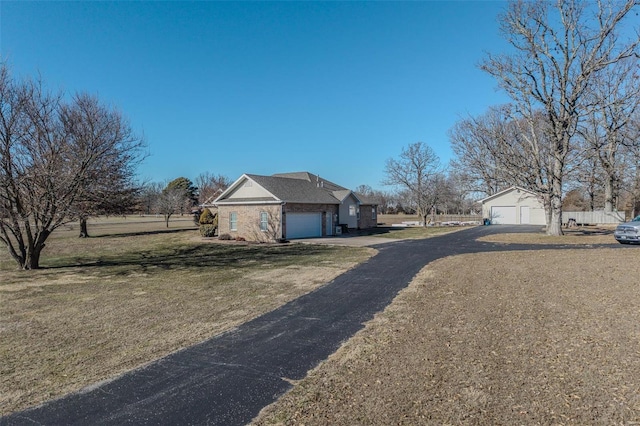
(304, 225)
(503, 215)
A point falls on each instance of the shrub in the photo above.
(208, 230)
(196, 217)
(225, 237)
(208, 218)
(240, 239)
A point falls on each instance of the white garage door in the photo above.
(503, 215)
(304, 225)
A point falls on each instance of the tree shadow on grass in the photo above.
(588, 231)
(142, 233)
(203, 256)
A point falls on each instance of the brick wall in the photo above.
(366, 219)
(248, 221)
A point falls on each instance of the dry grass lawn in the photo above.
(587, 235)
(526, 338)
(135, 292)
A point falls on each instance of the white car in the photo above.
(629, 232)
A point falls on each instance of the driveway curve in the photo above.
(228, 379)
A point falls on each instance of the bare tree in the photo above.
(385, 200)
(110, 187)
(615, 95)
(364, 190)
(460, 192)
(476, 142)
(575, 201)
(45, 166)
(634, 191)
(210, 186)
(418, 172)
(631, 177)
(496, 150)
(172, 200)
(558, 52)
(148, 195)
(589, 180)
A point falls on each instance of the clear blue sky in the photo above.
(333, 88)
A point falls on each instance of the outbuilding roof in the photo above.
(506, 191)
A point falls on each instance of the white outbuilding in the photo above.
(514, 206)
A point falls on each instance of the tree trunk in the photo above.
(166, 219)
(608, 194)
(555, 227)
(83, 228)
(546, 202)
(611, 191)
(555, 201)
(32, 258)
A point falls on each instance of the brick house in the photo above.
(290, 205)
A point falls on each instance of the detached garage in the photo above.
(513, 206)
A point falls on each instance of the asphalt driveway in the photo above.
(228, 379)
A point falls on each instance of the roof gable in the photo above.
(365, 199)
(245, 189)
(506, 191)
(341, 194)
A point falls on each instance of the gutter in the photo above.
(235, 203)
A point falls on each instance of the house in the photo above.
(514, 206)
(290, 205)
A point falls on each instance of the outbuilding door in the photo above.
(525, 215)
(503, 215)
(304, 225)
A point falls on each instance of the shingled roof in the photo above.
(298, 187)
(295, 190)
(315, 179)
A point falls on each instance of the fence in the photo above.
(593, 218)
(457, 218)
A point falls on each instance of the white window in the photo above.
(264, 221)
(373, 212)
(352, 210)
(233, 221)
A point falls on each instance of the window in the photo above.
(264, 221)
(352, 210)
(373, 212)
(233, 221)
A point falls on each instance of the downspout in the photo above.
(281, 221)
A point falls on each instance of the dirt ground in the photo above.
(527, 338)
